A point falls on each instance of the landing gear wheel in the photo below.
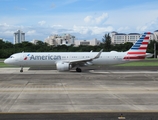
(21, 69)
(78, 70)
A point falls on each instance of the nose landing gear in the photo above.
(21, 70)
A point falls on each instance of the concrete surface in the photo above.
(50, 91)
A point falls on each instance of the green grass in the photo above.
(2, 59)
(151, 59)
(3, 65)
(140, 63)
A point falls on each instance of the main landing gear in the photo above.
(21, 70)
(78, 69)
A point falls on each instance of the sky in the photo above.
(84, 19)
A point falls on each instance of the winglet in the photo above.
(98, 55)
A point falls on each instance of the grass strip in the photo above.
(3, 65)
(142, 63)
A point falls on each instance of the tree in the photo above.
(107, 42)
(40, 43)
(127, 46)
(150, 48)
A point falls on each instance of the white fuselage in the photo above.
(51, 58)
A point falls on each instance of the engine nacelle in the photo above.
(63, 66)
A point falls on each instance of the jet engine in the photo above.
(63, 66)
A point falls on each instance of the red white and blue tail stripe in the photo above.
(138, 50)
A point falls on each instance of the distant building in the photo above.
(121, 38)
(93, 42)
(19, 37)
(35, 41)
(65, 39)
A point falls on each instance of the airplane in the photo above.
(65, 61)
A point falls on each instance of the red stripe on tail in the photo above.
(136, 53)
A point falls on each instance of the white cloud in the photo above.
(42, 22)
(153, 24)
(101, 18)
(150, 26)
(56, 26)
(96, 20)
(92, 30)
(80, 29)
(141, 28)
(120, 29)
(31, 32)
(101, 30)
(4, 25)
(9, 32)
(88, 19)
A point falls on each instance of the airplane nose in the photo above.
(6, 61)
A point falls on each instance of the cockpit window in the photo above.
(11, 57)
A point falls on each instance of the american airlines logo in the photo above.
(45, 57)
(26, 57)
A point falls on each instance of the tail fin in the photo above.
(138, 50)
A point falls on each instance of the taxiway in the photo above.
(50, 91)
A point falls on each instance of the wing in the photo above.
(82, 62)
